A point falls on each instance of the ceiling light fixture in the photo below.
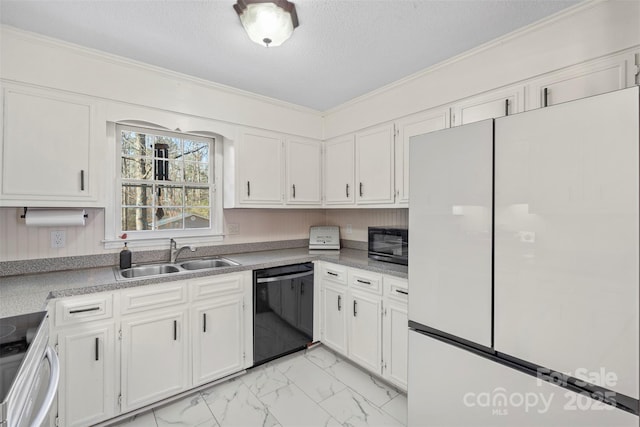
(267, 22)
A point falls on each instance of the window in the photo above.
(166, 182)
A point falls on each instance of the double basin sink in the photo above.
(152, 270)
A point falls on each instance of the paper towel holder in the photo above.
(24, 215)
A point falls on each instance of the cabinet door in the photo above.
(567, 227)
(407, 128)
(218, 339)
(48, 143)
(154, 357)
(365, 330)
(304, 160)
(495, 104)
(581, 81)
(339, 162)
(374, 166)
(395, 334)
(260, 168)
(86, 394)
(334, 306)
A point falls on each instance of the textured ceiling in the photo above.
(342, 48)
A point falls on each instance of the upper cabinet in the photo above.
(406, 128)
(491, 105)
(374, 165)
(51, 144)
(260, 167)
(339, 167)
(304, 165)
(581, 81)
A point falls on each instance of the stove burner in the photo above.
(6, 330)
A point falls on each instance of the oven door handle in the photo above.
(288, 276)
(54, 363)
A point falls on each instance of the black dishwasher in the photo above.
(282, 311)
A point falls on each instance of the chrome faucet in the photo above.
(175, 251)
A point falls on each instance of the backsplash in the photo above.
(18, 242)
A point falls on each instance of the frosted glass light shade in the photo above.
(267, 23)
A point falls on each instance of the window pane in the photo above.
(170, 196)
(195, 151)
(196, 172)
(197, 218)
(137, 218)
(197, 196)
(136, 168)
(137, 195)
(167, 147)
(176, 172)
(171, 218)
(136, 144)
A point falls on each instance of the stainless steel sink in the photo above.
(200, 264)
(148, 270)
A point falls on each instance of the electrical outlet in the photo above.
(58, 239)
(233, 228)
(349, 229)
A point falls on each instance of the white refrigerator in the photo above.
(524, 268)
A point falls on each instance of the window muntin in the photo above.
(166, 180)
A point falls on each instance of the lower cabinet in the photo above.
(364, 317)
(217, 339)
(87, 392)
(126, 349)
(154, 357)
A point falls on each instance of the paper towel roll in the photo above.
(54, 217)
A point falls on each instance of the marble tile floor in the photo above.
(314, 387)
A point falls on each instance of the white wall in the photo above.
(584, 33)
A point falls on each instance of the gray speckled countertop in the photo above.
(31, 292)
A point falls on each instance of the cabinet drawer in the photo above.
(334, 273)
(365, 280)
(396, 289)
(83, 309)
(153, 296)
(213, 286)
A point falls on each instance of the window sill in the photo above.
(161, 242)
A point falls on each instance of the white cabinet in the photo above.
(365, 330)
(375, 166)
(218, 326)
(339, 171)
(406, 128)
(51, 144)
(84, 330)
(155, 356)
(395, 331)
(497, 103)
(304, 166)
(333, 281)
(260, 166)
(581, 81)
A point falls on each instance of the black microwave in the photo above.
(390, 244)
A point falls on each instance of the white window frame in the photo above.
(159, 238)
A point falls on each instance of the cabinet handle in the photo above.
(84, 310)
(355, 308)
(248, 189)
(204, 322)
(402, 292)
(364, 282)
(97, 348)
(347, 190)
(506, 107)
(545, 97)
(294, 191)
(331, 273)
(339, 303)
(175, 330)
(82, 180)
(360, 189)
